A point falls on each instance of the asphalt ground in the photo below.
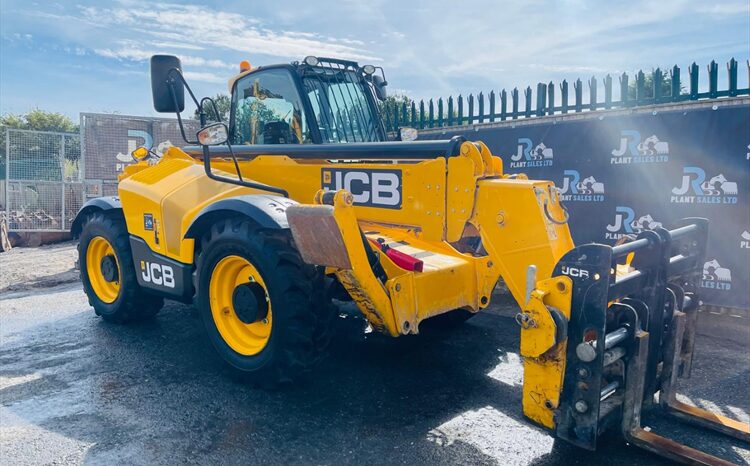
(74, 389)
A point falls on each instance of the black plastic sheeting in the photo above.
(622, 174)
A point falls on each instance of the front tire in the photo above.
(108, 273)
(260, 302)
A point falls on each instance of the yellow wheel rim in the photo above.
(98, 249)
(245, 339)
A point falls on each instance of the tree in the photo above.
(648, 85)
(223, 104)
(39, 156)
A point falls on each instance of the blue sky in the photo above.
(92, 56)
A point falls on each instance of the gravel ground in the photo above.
(74, 389)
(40, 267)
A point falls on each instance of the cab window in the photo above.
(267, 110)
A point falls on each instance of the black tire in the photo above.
(132, 302)
(301, 315)
(447, 321)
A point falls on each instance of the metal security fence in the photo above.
(657, 87)
(43, 189)
(108, 141)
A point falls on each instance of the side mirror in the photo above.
(163, 82)
(213, 134)
(407, 134)
(379, 84)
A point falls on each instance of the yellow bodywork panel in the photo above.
(544, 356)
(173, 191)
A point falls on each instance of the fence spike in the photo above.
(514, 95)
(480, 99)
(421, 114)
(592, 92)
(657, 81)
(578, 87)
(470, 114)
(450, 110)
(608, 91)
(693, 81)
(624, 89)
(713, 79)
(503, 105)
(541, 98)
(440, 112)
(492, 106)
(460, 110)
(550, 98)
(640, 87)
(676, 85)
(527, 102)
(732, 71)
(564, 96)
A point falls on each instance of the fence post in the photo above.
(550, 98)
(592, 93)
(675, 83)
(608, 92)
(514, 95)
(693, 81)
(421, 114)
(713, 79)
(470, 114)
(564, 96)
(640, 87)
(541, 95)
(460, 110)
(578, 87)
(62, 181)
(657, 80)
(624, 89)
(732, 70)
(450, 111)
(527, 102)
(480, 98)
(503, 105)
(492, 106)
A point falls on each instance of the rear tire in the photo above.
(108, 273)
(280, 325)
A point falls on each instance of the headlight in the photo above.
(368, 69)
(213, 134)
(311, 61)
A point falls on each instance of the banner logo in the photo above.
(529, 155)
(625, 223)
(634, 150)
(694, 189)
(573, 189)
(716, 277)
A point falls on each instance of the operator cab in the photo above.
(316, 101)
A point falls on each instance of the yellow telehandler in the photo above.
(300, 197)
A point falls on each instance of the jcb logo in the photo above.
(158, 274)
(574, 272)
(374, 188)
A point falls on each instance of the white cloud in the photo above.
(205, 77)
(195, 27)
